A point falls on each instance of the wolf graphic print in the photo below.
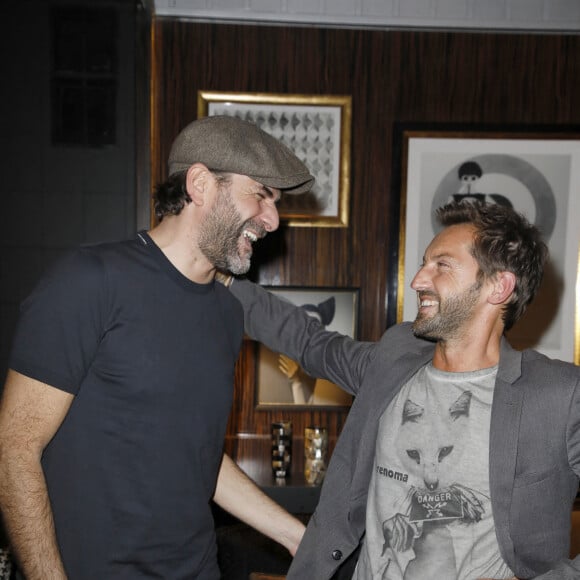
(429, 499)
(430, 442)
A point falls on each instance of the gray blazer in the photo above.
(534, 442)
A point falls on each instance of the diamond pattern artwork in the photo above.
(313, 133)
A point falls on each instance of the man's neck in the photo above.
(179, 244)
(470, 353)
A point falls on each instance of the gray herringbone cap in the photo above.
(229, 144)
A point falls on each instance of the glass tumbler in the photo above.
(315, 454)
(281, 448)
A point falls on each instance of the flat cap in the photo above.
(232, 145)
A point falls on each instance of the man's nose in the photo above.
(270, 218)
(420, 280)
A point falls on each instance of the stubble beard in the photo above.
(453, 313)
(220, 235)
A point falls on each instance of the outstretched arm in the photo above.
(30, 414)
(239, 495)
(287, 329)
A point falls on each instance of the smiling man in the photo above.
(447, 299)
(460, 457)
(114, 412)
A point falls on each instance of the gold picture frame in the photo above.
(318, 129)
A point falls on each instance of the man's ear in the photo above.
(197, 182)
(503, 285)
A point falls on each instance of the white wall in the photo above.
(529, 15)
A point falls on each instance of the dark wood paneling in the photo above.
(393, 77)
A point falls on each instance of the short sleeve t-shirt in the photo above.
(149, 356)
(429, 511)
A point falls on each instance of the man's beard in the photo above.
(453, 312)
(220, 234)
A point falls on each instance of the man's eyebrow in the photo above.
(439, 256)
(276, 195)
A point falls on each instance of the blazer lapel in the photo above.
(503, 446)
(387, 382)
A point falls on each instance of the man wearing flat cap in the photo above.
(114, 411)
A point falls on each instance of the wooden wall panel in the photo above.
(393, 77)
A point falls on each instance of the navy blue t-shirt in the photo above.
(149, 356)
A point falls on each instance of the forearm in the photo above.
(240, 496)
(28, 519)
(30, 414)
(268, 319)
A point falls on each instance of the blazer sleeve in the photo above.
(570, 569)
(285, 328)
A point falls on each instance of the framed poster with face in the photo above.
(535, 171)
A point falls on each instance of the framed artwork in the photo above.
(535, 171)
(280, 380)
(317, 128)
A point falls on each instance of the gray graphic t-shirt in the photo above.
(429, 511)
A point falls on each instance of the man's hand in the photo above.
(223, 278)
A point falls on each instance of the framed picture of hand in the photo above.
(281, 382)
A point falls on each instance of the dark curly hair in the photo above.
(170, 197)
(504, 241)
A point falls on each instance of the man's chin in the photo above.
(422, 330)
(239, 266)
(417, 331)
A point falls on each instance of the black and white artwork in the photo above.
(316, 129)
(539, 177)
